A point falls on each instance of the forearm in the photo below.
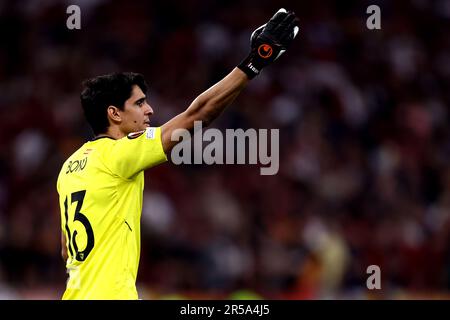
(210, 104)
(206, 107)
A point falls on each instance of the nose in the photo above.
(149, 109)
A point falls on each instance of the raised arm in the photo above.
(206, 107)
(268, 43)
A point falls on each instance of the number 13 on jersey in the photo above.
(72, 244)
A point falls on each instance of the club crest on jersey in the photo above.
(134, 135)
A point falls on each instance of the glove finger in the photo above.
(287, 21)
(279, 15)
(282, 27)
(277, 18)
(257, 32)
(290, 33)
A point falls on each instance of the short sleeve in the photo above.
(136, 152)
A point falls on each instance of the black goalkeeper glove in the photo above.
(269, 42)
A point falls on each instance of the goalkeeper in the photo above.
(100, 186)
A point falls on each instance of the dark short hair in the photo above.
(106, 90)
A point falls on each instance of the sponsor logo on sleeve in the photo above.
(150, 133)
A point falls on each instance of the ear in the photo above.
(114, 114)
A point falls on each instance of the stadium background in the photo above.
(364, 147)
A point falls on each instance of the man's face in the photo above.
(136, 113)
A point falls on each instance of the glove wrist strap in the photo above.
(248, 67)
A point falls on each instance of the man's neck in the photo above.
(112, 132)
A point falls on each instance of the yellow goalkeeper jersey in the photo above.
(100, 190)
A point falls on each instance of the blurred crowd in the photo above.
(364, 147)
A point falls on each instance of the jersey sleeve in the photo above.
(136, 152)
